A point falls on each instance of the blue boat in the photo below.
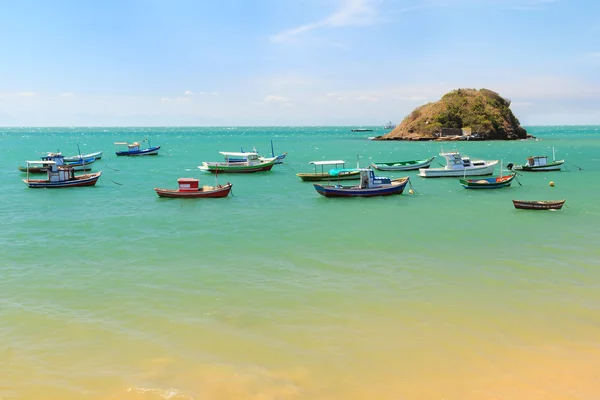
(133, 149)
(369, 186)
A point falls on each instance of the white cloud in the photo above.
(276, 99)
(165, 99)
(594, 54)
(189, 93)
(370, 99)
(350, 13)
(27, 94)
(67, 94)
(215, 93)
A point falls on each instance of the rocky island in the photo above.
(462, 114)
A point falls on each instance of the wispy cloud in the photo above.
(189, 93)
(27, 94)
(67, 94)
(593, 54)
(350, 13)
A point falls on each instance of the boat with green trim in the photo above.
(488, 183)
(403, 165)
(331, 174)
(253, 163)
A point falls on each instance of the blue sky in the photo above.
(291, 62)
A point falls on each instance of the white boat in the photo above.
(97, 155)
(540, 163)
(457, 165)
(389, 125)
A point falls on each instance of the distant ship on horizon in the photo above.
(389, 125)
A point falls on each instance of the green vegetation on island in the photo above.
(461, 114)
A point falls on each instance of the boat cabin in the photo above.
(322, 164)
(537, 161)
(188, 184)
(455, 161)
(369, 180)
(135, 146)
(56, 172)
(57, 158)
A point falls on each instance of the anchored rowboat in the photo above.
(403, 165)
(538, 204)
(488, 183)
(189, 189)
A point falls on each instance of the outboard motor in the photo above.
(509, 166)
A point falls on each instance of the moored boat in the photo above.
(133, 149)
(538, 164)
(60, 176)
(278, 159)
(253, 163)
(97, 155)
(59, 159)
(488, 183)
(331, 174)
(403, 165)
(369, 186)
(457, 165)
(538, 204)
(189, 189)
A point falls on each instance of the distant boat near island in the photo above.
(362, 130)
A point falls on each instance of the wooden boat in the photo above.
(278, 159)
(332, 174)
(189, 189)
(457, 165)
(403, 165)
(253, 163)
(97, 155)
(369, 186)
(60, 176)
(362, 130)
(488, 183)
(133, 149)
(538, 204)
(538, 164)
(59, 159)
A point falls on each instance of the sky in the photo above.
(291, 62)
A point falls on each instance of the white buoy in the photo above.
(411, 191)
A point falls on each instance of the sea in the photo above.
(277, 293)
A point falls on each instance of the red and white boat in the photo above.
(189, 189)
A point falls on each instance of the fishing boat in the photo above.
(538, 204)
(539, 164)
(362, 130)
(278, 159)
(403, 165)
(189, 189)
(488, 183)
(457, 165)
(59, 159)
(97, 155)
(133, 149)
(389, 125)
(369, 186)
(332, 174)
(253, 163)
(60, 176)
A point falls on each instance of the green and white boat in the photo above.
(330, 174)
(403, 165)
(253, 163)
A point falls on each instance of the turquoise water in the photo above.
(275, 292)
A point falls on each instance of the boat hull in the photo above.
(403, 165)
(488, 183)
(538, 204)
(483, 170)
(217, 192)
(82, 180)
(43, 170)
(325, 176)
(396, 187)
(554, 166)
(237, 168)
(151, 151)
(97, 155)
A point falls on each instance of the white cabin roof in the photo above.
(122, 143)
(234, 154)
(41, 162)
(327, 162)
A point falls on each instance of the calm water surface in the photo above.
(277, 293)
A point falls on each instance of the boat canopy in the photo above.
(327, 162)
(122, 143)
(234, 154)
(41, 162)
